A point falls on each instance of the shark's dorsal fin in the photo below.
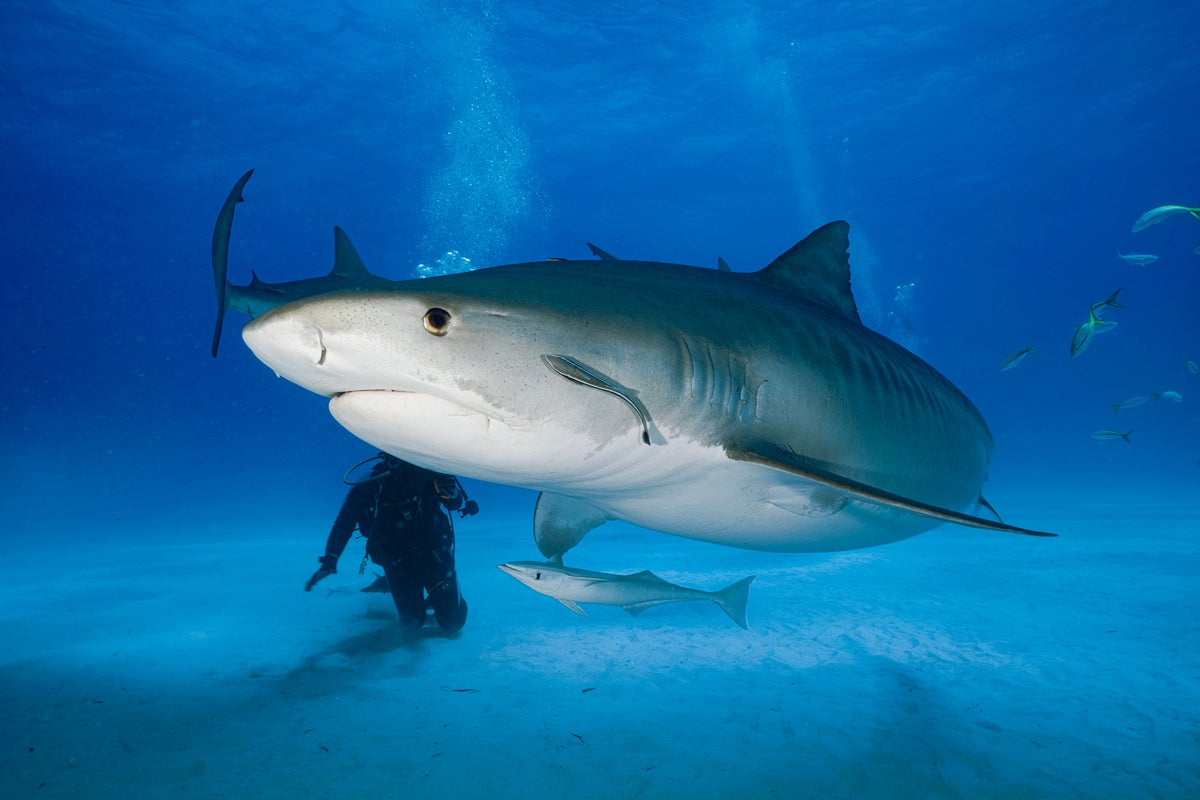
(818, 267)
(346, 261)
(646, 575)
(259, 285)
(600, 254)
(723, 265)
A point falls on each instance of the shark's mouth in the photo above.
(419, 402)
(389, 413)
(441, 434)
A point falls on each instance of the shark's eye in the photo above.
(437, 321)
(537, 576)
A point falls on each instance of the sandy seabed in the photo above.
(958, 664)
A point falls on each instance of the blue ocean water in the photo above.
(990, 158)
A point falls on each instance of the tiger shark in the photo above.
(257, 297)
(749, 409)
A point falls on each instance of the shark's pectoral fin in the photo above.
(775, 457)
(560, 522)
(571, 604)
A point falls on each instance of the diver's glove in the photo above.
(328, 567)
(469, 509)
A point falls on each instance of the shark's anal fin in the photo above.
(560, 522)
(576, 372)
(778, 458)
(220, 253)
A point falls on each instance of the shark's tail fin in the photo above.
(732, 600)
(220, 254)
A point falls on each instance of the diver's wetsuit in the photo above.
(410, 536)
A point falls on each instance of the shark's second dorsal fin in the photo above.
(346, 261)
(259, 285)
(818, 267)
(646, 575)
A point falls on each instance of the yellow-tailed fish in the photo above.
(1137, 259)
(1160, 213)
(1132, 402)
(1085, 332)
(1016, 358)
(1099, 308)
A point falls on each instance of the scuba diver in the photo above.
(403, 511)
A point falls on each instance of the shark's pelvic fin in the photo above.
(220, 253)
(560, 522)
(818, 267)
(600, 254)
(346, 261)
(983, 503)
(571, 604)
(778, 458)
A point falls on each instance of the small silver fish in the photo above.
(1106, 434)
(1191, 365)
(1132, 402)
(1016, 358)
(1160, 213)
(1169, 395)
(1138, 259)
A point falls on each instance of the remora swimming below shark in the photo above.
(634, 593)
(747, 409)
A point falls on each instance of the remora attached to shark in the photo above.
(747, 409)
(634, 593)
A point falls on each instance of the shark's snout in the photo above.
(290, 344)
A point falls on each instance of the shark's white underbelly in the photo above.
(700, 493)
(679, 487)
